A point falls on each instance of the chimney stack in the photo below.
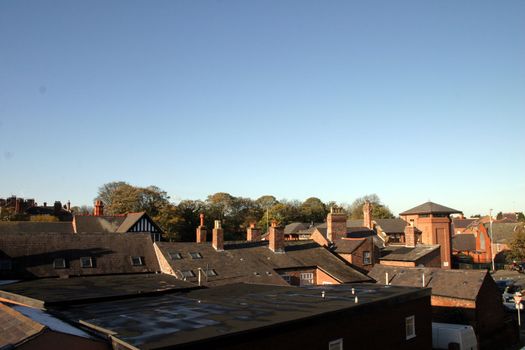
(410, 236)
(201, 230)
(218, 237)
(19, 203)
(253, 233)
(57, 207)
(336, 224)
(367, 214)
(276, 238)
(99, 208)
(69, 206)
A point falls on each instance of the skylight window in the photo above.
(59, 263)
(211, 272)
(187, 274)
(86, 262)
(137, 261)
(196, 255)
(175, 255)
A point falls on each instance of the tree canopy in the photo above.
(379, 210)
(517, 246)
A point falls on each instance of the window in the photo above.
(424, 215)
(137, 261)
(366, 258)
(287, 278)
(59, 263)
(5, 264)
(187, 273)
(175, 256)
(336, 344)
(196, 255)
(211, 272)
(86, 262)
(410, 327)
(307, 278)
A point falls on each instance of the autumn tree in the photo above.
(313, 210)
(517, 246)
(379, 210)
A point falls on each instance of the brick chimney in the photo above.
(253, 233)
(99, 208)
(276, 238)
(410, 236)
(336, 224)
(367, 214)
(68, 206)
(57, 207)
(19, 204)
(201, 230)
(217, 237)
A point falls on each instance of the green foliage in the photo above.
(82, 210)
(379, 210)
(521, 217)
(517, 246)
(499, 216)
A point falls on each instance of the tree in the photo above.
(105, 192)
(43, 218)
(313, 210)
(521, 217)
(517, 246)
(499, 216)
(379, 210)
(82, 210)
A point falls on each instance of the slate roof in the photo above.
(10, 227)
(32, 255)
(97, 224)
(254, 262)
(390, 226)
(296, 227)
(44, 292)
(431, 208)
(460, 284)
(402, 253)
(200, 317)
(464, 241)
(463, 223)
(15, 327)
(347, 246)
(502, 232)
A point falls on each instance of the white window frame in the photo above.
(195, 255)
(137, 261)
(287, 278)
(305, 276)
(90, 262)
(367, 260)
(410, 333)
(57, 265)
(336, 344)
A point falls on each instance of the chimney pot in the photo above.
(201, 230)
(335, 224)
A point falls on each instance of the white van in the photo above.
(444, 334)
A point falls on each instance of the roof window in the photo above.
(211, 272)
(187, 273)
(59, 263)
(86, 262)
(175, 256)
(195, 255)
(137, 261)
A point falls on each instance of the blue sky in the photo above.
(412, 100)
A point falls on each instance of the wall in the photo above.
(432, 259)
(397, 263)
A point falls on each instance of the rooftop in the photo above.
(176, 319)
(402, 253)
(431, 208)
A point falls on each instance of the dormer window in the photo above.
(6, 265)
(196, 255)
(86, 262)
(211, 272)
(137, 261)
(59, 263)
(187, 274)
(175, 255)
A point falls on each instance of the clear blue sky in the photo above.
(412, 100)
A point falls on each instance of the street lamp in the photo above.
(491, 241)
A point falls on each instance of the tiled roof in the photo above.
(461, 284)
(464, 241)
(33, 255)
(391, 225)
(347, 246)
(254, 262)
(402, 253)
(97, 224)
(10, 227)
(430, 208)
(130, 220)
(15, 327)
(503, 232)
(463, 223)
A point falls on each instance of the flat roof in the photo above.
(204, 314)
(54, 291)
